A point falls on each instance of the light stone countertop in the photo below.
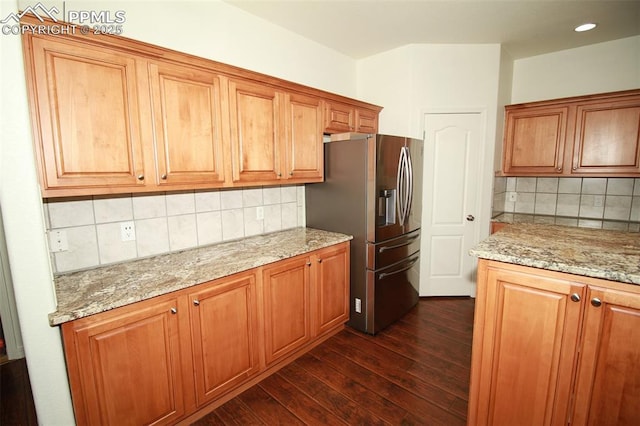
(614, 225)
(89, 292)
(598, 253)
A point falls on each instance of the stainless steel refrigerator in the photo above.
(373, 191)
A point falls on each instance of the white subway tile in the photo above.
(526, 184)
(289, 215)
(180, 203)
(232, 224)
(289, 194)
(146, 206)
(546, 203)
(207, 201)
(252, 225)
(113, 209)
(568, 205)
(209, 227)
(271, 195)
(525, 202)
(251, 197)
(620, 186)
(617, 207)
(152, 236)
(231, 199)
(112, 248)
(596, 186)
(182, 232)
(273, 218)
(71, 213)
(82, 250)
(547, 185)
(569, 185)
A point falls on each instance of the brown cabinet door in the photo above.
(286, 291)
(186, 109)
(331, 300)
(339, 118)
(366, 121)
(85, 116)
(535, 140)
(126, 369)
(525, 337)
(224, 334)
(304, 152)
(256, 129)
(608, 383)
(607, 138)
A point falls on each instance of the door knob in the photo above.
(471, 217)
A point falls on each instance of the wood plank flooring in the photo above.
(416, 372)
(16, 400)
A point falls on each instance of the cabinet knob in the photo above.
(164, 176)
(196, 302)
(559, 169)
(596, 302)
(291, 173)
(174, 311)
(279, 174)
(574, 168)
(140, 177)
(471, 218)
(319, 260)
(575, 297)
(308, 263)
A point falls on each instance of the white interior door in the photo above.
(451, 186)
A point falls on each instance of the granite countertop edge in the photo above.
(84, 293)
(596, 253)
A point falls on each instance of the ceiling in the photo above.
(525, 28)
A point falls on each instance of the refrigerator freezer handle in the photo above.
(410, 191)
(397, 271)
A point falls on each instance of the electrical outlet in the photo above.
(58, 241)
(512, 196)
(127, 231)
(358, 305)
(259, 213)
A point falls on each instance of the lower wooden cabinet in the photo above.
(162, 360)
(331, 299)
(287, 310)
(224, 333)
(554, 349)
(126, 366)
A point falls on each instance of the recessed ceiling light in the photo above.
(585, 27)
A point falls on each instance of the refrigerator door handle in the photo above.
(409, 241)
(384, 275)
(410, 179)
(399, 186)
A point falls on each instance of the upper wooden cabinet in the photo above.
(256, 126)
(113, 115)
(86, 116)
(596, 135)
(188, 125)
(340, 117)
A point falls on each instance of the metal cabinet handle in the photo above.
(471, 217)
(174, 311)
(575, 297)
(196, 302)
(596, 302)
(140, 177)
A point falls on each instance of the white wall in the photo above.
(211, 29)
(415, 79)
(598, 68)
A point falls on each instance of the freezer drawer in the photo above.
(391, 251)
(395, 292)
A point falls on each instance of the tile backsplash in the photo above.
(166, 222)
(583, 198)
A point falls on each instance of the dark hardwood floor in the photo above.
(416, 372)
(16, 401)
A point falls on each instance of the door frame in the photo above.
(485, 176)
